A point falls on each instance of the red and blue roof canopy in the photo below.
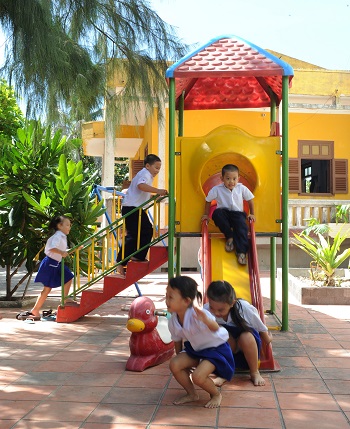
(228, 72)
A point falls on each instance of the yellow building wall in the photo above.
(312, 126)
(327, 127)
(321, 82)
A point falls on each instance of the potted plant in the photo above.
(325, 253)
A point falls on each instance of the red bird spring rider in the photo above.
(150, 341)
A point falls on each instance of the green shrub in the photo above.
(324, 253)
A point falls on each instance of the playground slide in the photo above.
(224, 266)
(221, 265)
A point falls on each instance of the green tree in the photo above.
(11, 116)
(36, 183)
(74, 148)
(60, 53)
(121, 172)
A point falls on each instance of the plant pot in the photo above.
(17, 302)
(315, 295)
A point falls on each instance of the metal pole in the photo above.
(181, 114)
(63, 297)
(180, 133)
(272, 239)
(273, 274)
(178, 256)
(285, 185)
(171, 215)
(272, 110)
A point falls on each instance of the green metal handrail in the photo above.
(98, 250)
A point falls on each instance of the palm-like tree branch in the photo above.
(59, 51)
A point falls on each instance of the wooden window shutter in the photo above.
(340, 176)
(294, 175)
(136, 166)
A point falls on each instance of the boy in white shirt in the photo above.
(229, 216)
(139, 192)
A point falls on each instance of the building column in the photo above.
(108, 154)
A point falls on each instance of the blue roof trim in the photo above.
(287, 69)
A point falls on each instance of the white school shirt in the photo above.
(232, 200)
(57, 241)
(134, 197)
(195, 331)
(250, 315)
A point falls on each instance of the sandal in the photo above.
(229, 246)
(24, 315)
(50, 312)
(49, 318)
(242, 259)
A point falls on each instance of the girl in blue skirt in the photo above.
(205, 346)
(243, 323)
(49, 273)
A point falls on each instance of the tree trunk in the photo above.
(10, 291)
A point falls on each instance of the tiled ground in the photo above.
(73, 375)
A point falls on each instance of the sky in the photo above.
(315, 31)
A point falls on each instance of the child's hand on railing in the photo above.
(162, 192)
(75, 249)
